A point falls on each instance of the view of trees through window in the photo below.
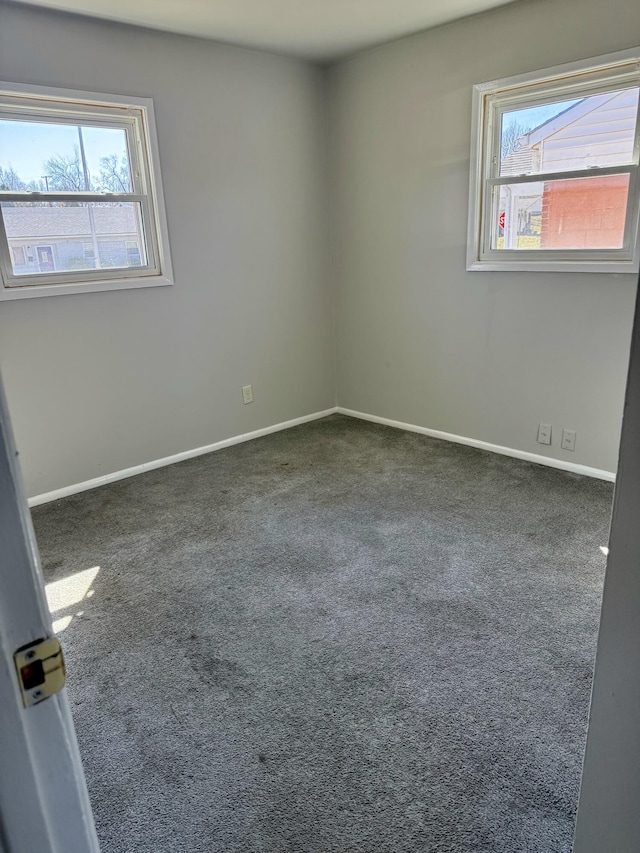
(64, 173)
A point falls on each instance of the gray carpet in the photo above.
(341, 637)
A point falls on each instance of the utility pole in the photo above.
(87, 187)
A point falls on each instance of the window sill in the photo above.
(623, 267)
(29, 291)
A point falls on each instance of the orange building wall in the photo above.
(584, 213)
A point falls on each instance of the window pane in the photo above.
(595, 131)
(43, 157)
(56, 237)
(576, 213)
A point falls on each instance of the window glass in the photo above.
(583, 133)
(71, 236)
(48, 157)
(574, 213)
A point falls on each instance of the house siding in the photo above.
(601, 137)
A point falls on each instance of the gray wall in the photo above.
(102, 381)
(420, 340)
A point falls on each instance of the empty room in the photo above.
(318, 470)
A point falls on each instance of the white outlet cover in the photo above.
(544, 433)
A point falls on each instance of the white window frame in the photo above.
(136, 117)
(563, 82)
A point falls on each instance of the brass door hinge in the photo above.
(40, 668)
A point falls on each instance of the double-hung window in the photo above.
(554, 169)
(81, 205)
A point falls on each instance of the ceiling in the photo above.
(321, 30)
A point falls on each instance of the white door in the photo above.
(44, 806)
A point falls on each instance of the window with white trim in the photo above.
(81, 206)
(554, 169)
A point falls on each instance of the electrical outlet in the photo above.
(568, 439)
(247, 394)
(544, 433)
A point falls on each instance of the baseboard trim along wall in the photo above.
(76, 488)
(572, 467)
(55, 495)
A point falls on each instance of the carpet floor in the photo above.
(342, 637)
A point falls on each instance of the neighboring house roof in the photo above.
(551, 125)
(571, 114)
(21, 222)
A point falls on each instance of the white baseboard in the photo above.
(169, 460)
(585, 470)
(76, 488)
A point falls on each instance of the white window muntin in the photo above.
(135, 117)
(491, 100)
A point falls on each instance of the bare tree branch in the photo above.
(65, 173)
(114, 174)
(510, 135)
(10, 180)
